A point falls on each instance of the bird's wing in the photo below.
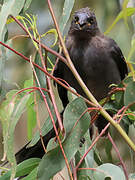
(117, 55)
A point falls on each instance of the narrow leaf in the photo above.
(10, 114)
(44, 130)
(129, 12)
(9, 8)
(26, 5)
(129, 95)
(68, 6)
(23, 168)
(124, 7)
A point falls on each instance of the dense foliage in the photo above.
(95, 158)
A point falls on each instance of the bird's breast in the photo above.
(97, 69)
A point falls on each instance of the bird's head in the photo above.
(84, 21)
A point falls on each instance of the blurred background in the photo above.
(17, 70)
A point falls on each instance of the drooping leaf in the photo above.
(131, 52)
(82, 174)
(108, 148)
(129, 12)
(31, 114)
(44, 130)
(39, 73)
(32, 175)
(88, 162)
(41, 77)
(26, 5)
(10, 113)
(68, 6)
(9, 8)
(54, 161)
(23, 168)
(124, 7)
(129, 95)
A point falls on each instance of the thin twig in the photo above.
(119, 156)
(38, 121)
(91, 146)
(44, 64)
(73, 169)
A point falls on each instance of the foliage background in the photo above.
(16, 71)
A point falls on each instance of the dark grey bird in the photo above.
(98, 60)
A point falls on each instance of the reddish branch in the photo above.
(92, 145)
(48, 80)
(119, 156)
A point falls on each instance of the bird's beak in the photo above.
(82, 22)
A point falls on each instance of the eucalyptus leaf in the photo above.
(32, 175)
(23, 168)
(26, 5)
(76, 126)
(44, 130)
(68, 6)
(109, 170)
(10, 114)
(9, 8)
(129, 95)
(129, 12)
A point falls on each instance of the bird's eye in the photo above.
(90, 20)
(76, 18)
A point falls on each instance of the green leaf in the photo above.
(32, 175)
(28, 83)
(129, 12)
(31, 114)
(2, 65)
(132, 50)
(23, 168)
(54, 161)
(9, 115)
(31, 117)
(44, 130)
(129, 95)
(109, 170)
(9, 8)
(124, 7)
(108, 148)
(26, 5)
(68, 6)
(82, 174)
(89, 161)
(41, 75)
